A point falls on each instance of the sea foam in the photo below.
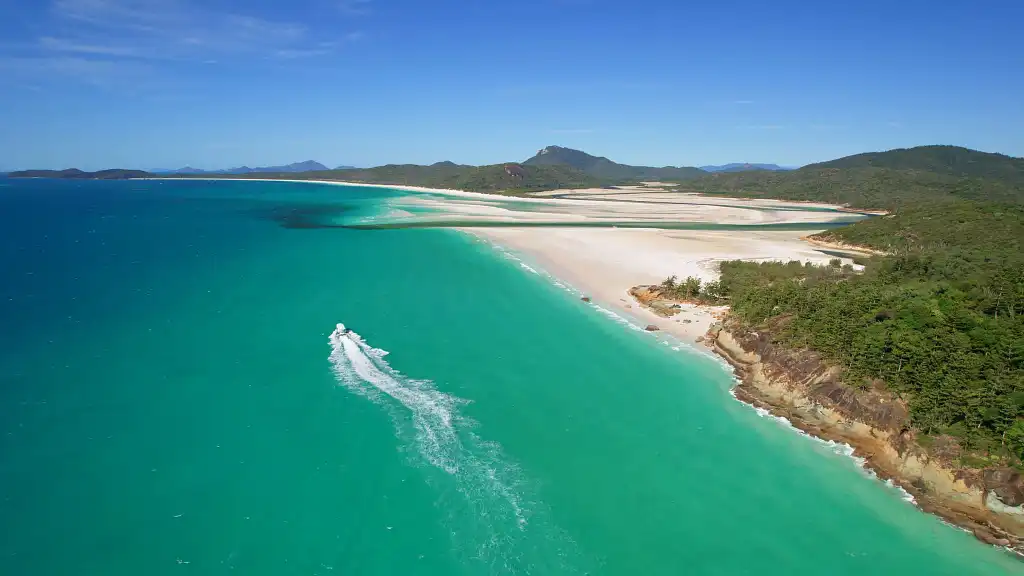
(496, 517)
(838, 448)
(434, 415)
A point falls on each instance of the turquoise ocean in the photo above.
(176, 397)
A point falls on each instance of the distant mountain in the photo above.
(603, 168)
(75, 173)
(344, 167)
(949, 160)
(185, 170)
(742, 167)
(307, 166)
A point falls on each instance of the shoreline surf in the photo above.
(863, 464)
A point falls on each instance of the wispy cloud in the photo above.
(742, 102)
(354, 7)
(762, 127)
(90, 40)
(119, 75)
(292, 53)
(572, 130)
(820, 126)
(173, 29)
(894, 124)
(65, 45)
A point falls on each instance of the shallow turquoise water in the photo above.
(171, 402)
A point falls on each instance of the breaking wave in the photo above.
(493, 520)
(838, 448)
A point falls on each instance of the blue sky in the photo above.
(215, 83)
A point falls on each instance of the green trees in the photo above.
(885, 180)
(693, 289)
(940, 321)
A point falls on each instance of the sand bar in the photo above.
(605, 262)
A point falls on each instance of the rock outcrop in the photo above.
(810, 393)
(650, 297)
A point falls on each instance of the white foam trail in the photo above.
(362, 369)
(839, 448)
(489, 522)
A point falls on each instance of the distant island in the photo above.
(307, 166)
(76, 174)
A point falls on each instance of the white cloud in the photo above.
(170, 29)
(100, 42)
(354, 7)
(64, 45)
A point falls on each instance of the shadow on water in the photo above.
(354, 216)
(323, 216)
(303, 216)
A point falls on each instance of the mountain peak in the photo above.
(601, 167)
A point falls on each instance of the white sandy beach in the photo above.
(605, 262)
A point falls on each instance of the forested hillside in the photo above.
(881, 180)
(940, 321)
(949, 160)
(867, 188)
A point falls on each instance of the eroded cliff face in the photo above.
(801, 387)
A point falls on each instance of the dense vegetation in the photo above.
(948, 160)
(882, 180)
(867, 188)
(693, 289)
(603, 168)
(940, 321)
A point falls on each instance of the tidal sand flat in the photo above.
(178, 397)
(603, 242)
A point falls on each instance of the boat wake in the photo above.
(493, 518)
